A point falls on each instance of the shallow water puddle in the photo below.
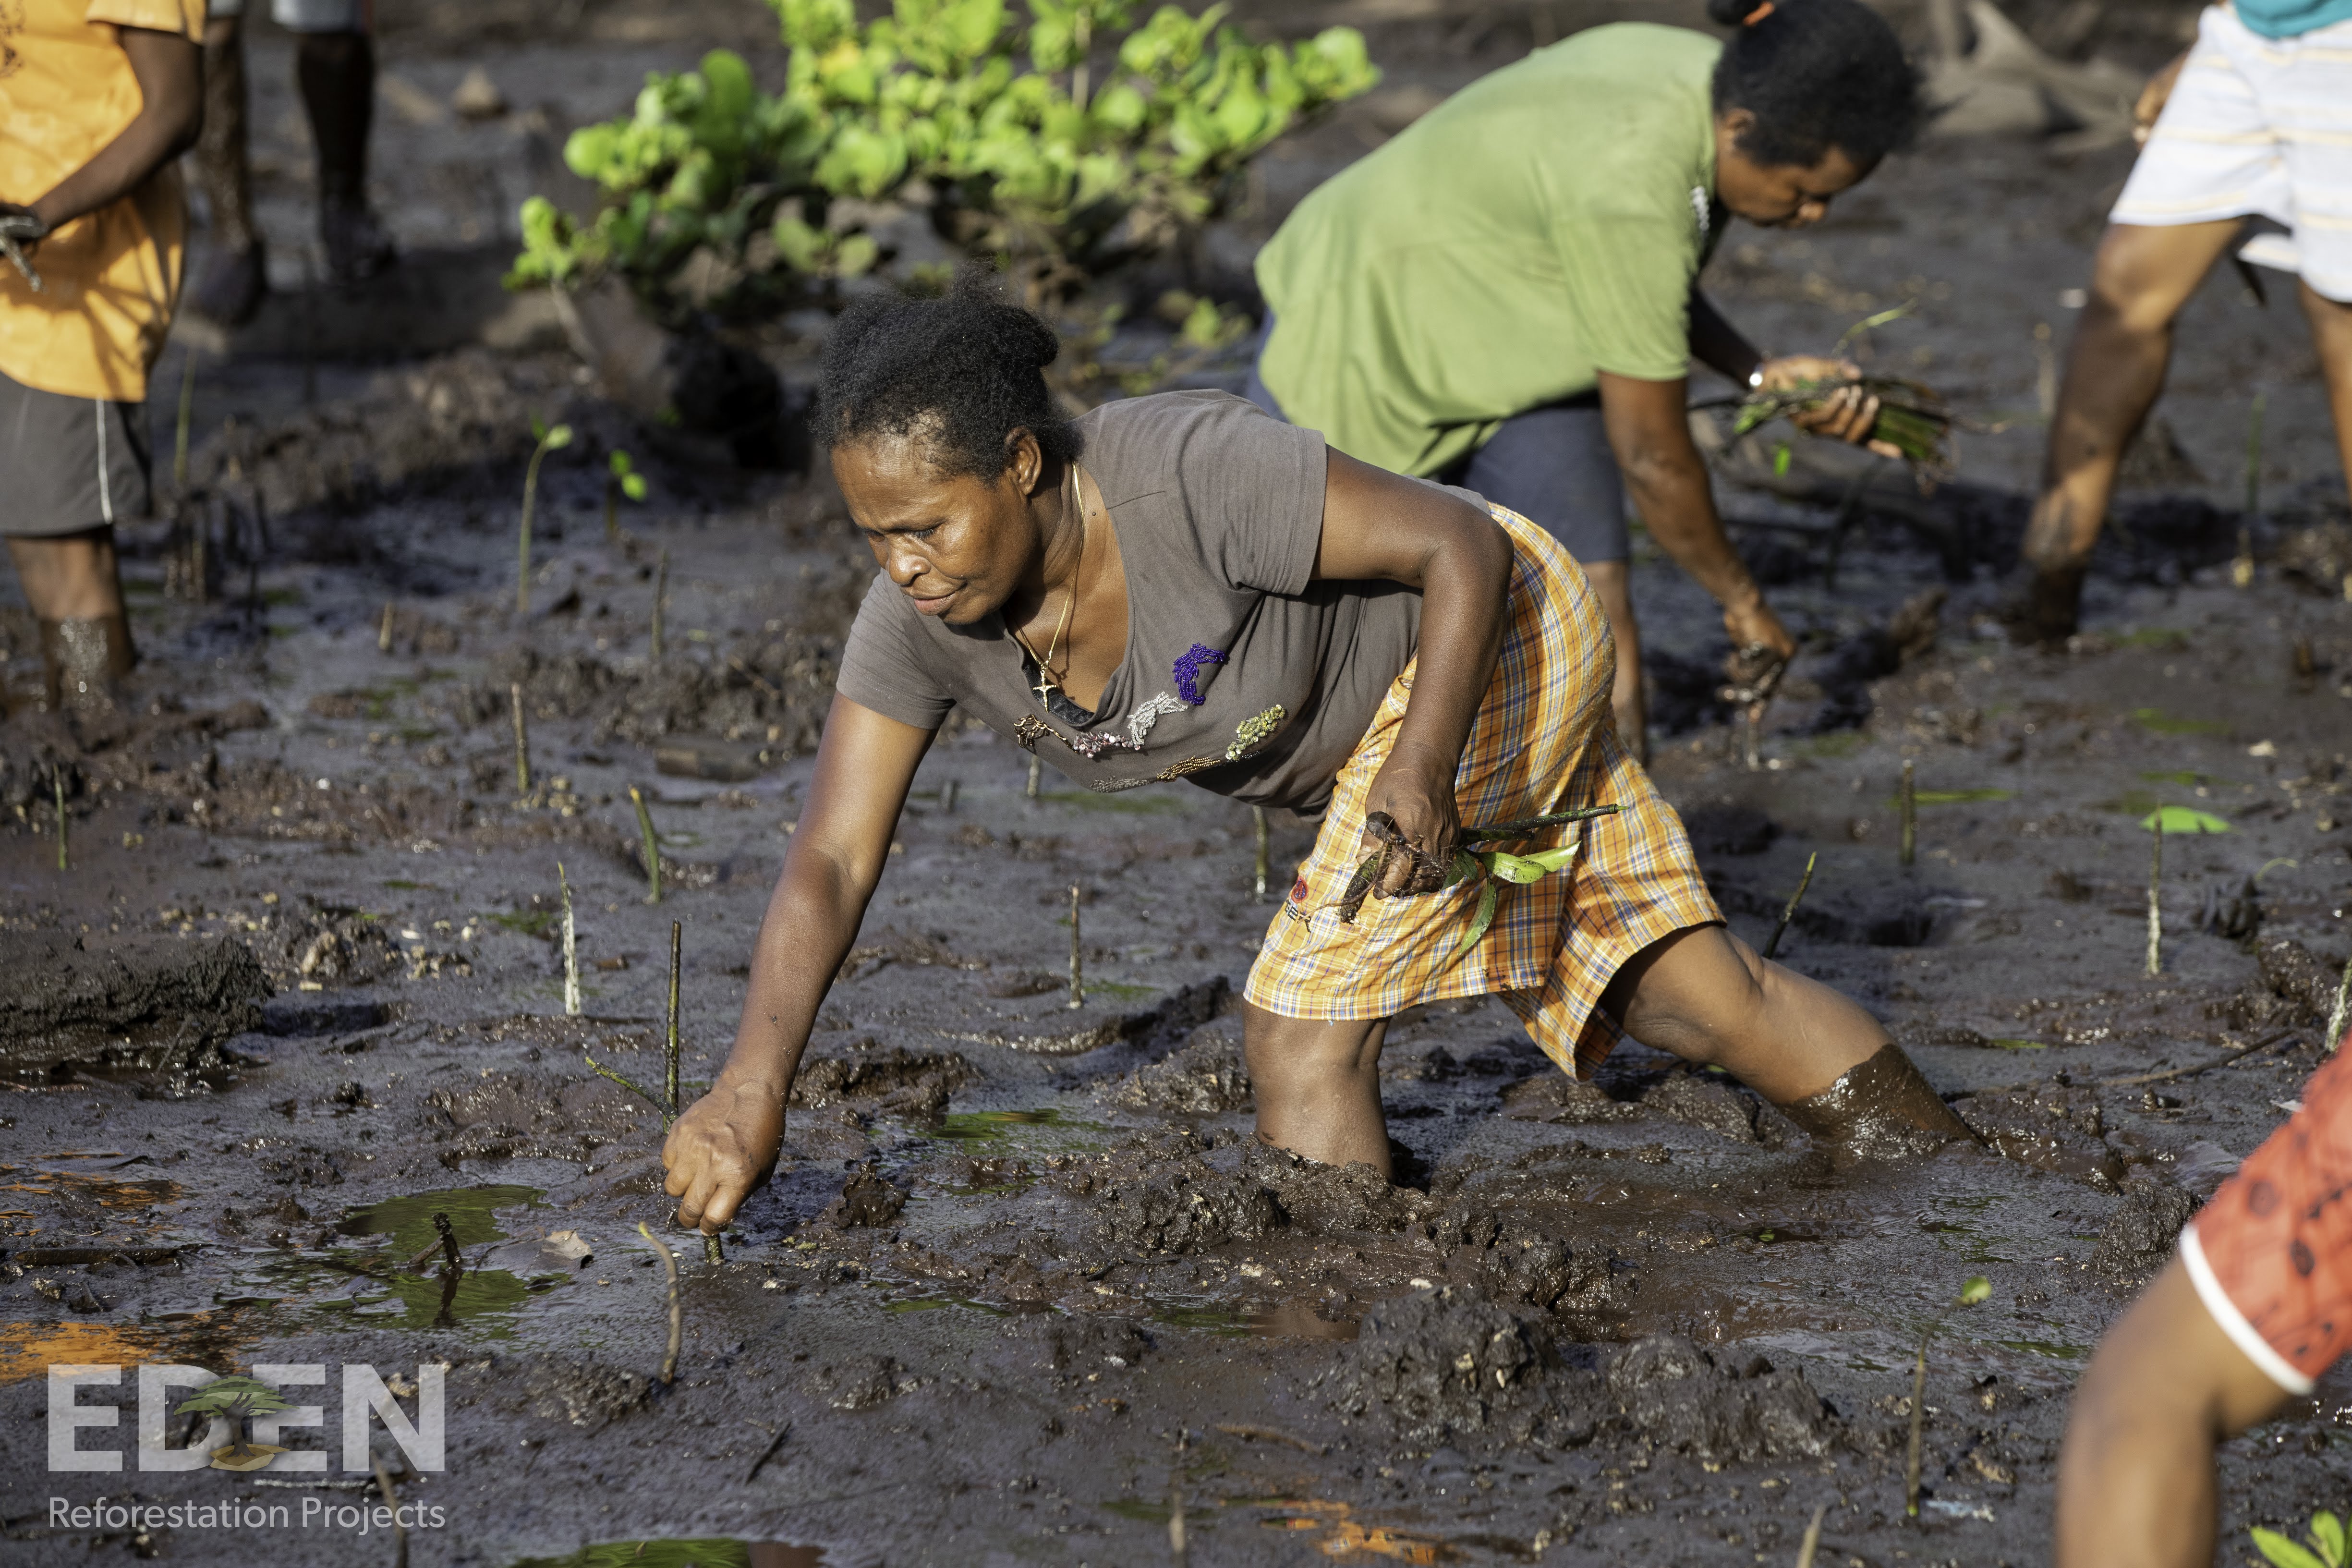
(1301, 1319)
(717, 1551)
(394, 1274)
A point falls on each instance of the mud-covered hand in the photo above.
(1844, 412)
(1748, 621)
(1411, 814)
(721, 1147)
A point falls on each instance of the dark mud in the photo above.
(1013, 1250)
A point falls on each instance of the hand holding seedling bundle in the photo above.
(1400, 868)
(1831, 396)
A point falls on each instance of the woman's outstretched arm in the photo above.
(1379, 526)
(726, 1141)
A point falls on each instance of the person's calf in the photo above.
(1317, 1087)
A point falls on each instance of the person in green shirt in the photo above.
(1505, 296)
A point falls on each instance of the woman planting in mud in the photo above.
(1182, 588)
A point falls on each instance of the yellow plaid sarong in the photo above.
(1544, 740)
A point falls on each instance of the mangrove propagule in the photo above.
(1077, 979)
(550, 438)
(1909, 806)
(677, 1308)
(1790, 913)
(2155, 900)
(522, 743)
(570, 948)
(652, 846)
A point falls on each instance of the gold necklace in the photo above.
(1047, 684)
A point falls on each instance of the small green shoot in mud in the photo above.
(620, 480)
(651, 844)
(1977, 1289)
(2178, 819)
(2323, 1545)
(550, 439)
(2158, 721)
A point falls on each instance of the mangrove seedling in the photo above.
(57, 791)
(570, 948)
(2155, 895)
(1975, 1290)
(1909, 805)
(1077, 982)
(1257, 825)
(677, 1310)
(652, 846)
(621, 479)
(550, 438)
(522, 744)
(1912, 422)
(661, 597)
(1493, 865)
(1790, 913)
(2343, 1008)
(384, 630)
(240, 1399)
(2325, 1545)
(669, 1041)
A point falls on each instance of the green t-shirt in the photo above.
(1539, 227)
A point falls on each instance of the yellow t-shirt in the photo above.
(109, 277)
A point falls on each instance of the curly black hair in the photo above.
(1816, 74)
(960, 372)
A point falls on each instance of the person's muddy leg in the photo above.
(1611, 584)
(2331, 334)
(1706, 996)
(76, 594)
(1318, 1086)
(234, 276)
(2115, 369)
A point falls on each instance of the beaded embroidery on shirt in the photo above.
(1252, 734)
(1188, 671)
(1139, 727)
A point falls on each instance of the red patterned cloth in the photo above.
(2272, 1254)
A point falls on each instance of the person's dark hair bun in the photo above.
(961, 371)
(1816, 75)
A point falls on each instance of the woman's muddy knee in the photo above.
(1882, 1109)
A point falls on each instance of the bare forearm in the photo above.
(811, 919)
(1462, 616)
(2135, 1486)
(1672, 492)
(170, 116)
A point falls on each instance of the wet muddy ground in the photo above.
(1023, 1284)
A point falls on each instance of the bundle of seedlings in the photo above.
(1494, 866)
(1912, 422)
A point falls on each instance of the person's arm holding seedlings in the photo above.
(726, 1141)
(2255, 1306)
(1849, 414)
(1379, 526)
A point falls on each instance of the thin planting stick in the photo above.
(57, 789)
(2242, 570)
(1178, 1554)
(652, 850)
(523, 742)
(1077, 984)
(1812, 1540)
(948, 798)
(1257, 822)
(1918, 1424)
(1037, 772)
(1790, 913)
(677, 1310)
(661, 593)
(2343, 1006)
(570, 949)
(384, 630)
(180, 431)
(1910, 804)
(2155, 902)
(669, 1044)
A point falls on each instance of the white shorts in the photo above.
(306, 15)
(2257, 127)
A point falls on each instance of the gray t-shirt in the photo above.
(1241, 674)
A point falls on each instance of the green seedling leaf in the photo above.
(1869, 323)
(1782, 455)
(2327, 1535)
(1977, 1289)
(618, 461)
(538, 428)
(2181, 819)
(634, 486)
(1512, 868)
(2284, 1553)
(557, 438)
(1489, 897)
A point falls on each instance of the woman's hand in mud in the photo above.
(1415, 789)
(1845, 413)
(1750, 620)
(723, 1146)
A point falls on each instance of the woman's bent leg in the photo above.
(1705, 996)
(1318, 1086)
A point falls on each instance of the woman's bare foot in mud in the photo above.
(1706, 996)
(1318, 1086)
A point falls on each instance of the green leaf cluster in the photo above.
(1046, 168)
(2323, 1546)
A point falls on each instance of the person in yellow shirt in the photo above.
(96, 99)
